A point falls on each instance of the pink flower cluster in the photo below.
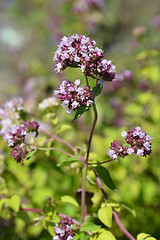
(16, 137)
(65, 231)
(139, 144)
(79, 51)
(73, 96)
(19, 153)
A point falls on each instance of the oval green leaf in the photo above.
(105, 215)
(89, 226)
(106, 235)
(144, 236)
(105, 176)
(69, 199)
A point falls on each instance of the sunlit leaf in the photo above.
(144, 236)
(106, 235)
(89, 226)
(69, 199)
(105, 215)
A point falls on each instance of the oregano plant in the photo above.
(21, 133)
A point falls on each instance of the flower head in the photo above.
(73, 96)
(65, 230)
(139, 144)
(79, 51)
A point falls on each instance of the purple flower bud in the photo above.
(19, 153)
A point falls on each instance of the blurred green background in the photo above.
(129, 33)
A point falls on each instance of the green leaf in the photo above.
(30, 154)
(89, 226)
(15, 203)
(51, 229)
(105, 176)
(83, 236)
(69, 199)
(80, 111)
(115, 205)
(67, 162)
(105, 215)
(144, 236)
(96, 92)
(106, 235)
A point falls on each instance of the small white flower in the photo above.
(75, 104)
(141, 134)
(130, 151)
(124, 133)
(112, 154)
(77, 82)
(147, 146)
(56, 237)
(82, 68)
(69, 238)
(80, 91)
(76, 59)
(149, 138)
(89, 102)
(138, 128)
(62, 91)
(58, 67)
(140, 152)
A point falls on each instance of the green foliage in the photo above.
(105, 176)
(49, 176)
(80, 111)
(143, 236)
(105, 215)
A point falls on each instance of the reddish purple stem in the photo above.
(122, 227)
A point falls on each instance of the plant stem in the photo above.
(59, 150)
(53, 136)
(122, 227)
(31, 210)
(98, 163)
(92, 130)
(36, 210)
(86, 78)
(83, 195)
(118, 221)
(100, 185)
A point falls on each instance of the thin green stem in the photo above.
(99, 163)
